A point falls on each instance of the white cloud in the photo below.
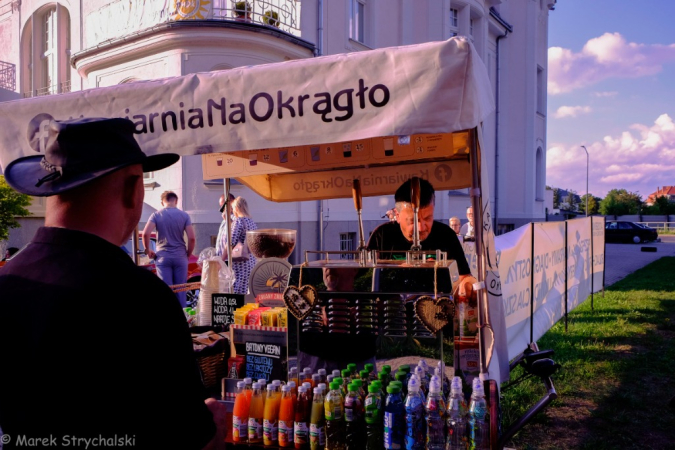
(607, 56)
(571, 111)
(639, 160)
(605, 94)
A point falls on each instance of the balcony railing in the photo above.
(283, 15)
(7, 76)
(61, 88)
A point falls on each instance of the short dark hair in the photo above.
(427, 193)
(168, 196)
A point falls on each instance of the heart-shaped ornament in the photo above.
(300, 301)
(434, 314)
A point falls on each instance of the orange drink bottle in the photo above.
(248, 388)
(286, 417)
(271, 416)
(240, 415)
(293, 375)
(322, 375)
(263, 388)
(255, 415)
(302, 416)
(316, 379)
(294, 388)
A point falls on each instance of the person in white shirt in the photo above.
(467, 229)
(221, 240)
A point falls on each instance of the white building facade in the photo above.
(55, 47)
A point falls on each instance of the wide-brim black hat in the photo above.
(79, 151)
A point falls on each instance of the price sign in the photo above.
(224, 306)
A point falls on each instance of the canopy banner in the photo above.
(437, 87)
(539, 273)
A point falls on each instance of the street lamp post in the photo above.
(587, 162)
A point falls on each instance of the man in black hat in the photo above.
(91, 345)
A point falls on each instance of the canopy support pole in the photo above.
(229, 222)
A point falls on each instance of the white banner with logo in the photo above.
(540, 275)
(437, 87)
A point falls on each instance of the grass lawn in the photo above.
(616, 388)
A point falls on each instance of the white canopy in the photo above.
(437, 87)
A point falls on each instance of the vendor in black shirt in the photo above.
(394, 236)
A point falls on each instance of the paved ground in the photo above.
(624, 259)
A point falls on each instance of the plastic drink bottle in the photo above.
(383, 377)
(346, 379)
(456, 418)
(436, 379)
(364, 376)
(423, 364)
(394, 418)
(271, 417)
(354, 420)
(360, 390)
(316, 379)
(330, 378)
(373, 414)
(334, 412)
(416, 429)
(323, 386)
(403, 378)
(478, 418)
(263, 388)
(293, 375)
(256, 413)
(317, 423)
(336, 373)
(303, 409)
(286, 417)
(352, 370)
(372, 374)
(435, 423)
(424, 386)
(322, 375)
(240, 415)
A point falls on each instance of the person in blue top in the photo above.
(241, 224)
(171, 258)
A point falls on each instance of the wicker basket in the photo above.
(212, 361)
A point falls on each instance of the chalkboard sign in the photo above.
(224, 306)
(264, 361)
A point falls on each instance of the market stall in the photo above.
(304, 130)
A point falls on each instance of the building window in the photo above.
(541, 92)
(453, 18)
(539, 175)
(347, 244)
(45, 52)
(357, 23)
(471, 27)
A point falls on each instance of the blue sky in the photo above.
(612, 89)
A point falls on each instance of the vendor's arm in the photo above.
(219, 419)
(192, 239)
(147, 231)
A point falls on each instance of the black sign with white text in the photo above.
(224, 306)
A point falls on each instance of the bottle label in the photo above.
(239, 428)
(285, 433)
(301, 433)
(317, 435)
(349, 415)
(337, 413)
(270, 430)
(390, 439)
(254, 429)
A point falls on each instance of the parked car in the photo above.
(194, 270)
(619, 231)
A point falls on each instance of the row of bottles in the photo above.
(362, 410)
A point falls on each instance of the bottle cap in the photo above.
(302, 389)
(276, 382)
(437, 372)
(478, 386)
(435, 379)
(330, 378)
(456, 385)
(351, 367)
(346, 373)
(401, 376)
(419, 371)
(255, 385)
(434, 387)
(241, 384)
(376, 383)
(358, 383)
(316, 378)
(364, 373)
(396, 383)
(393, 388)
(404, 368)
(270, 387)
(413, 384)
(294, 369)
(262, 381)
(382, 375)
(322, 386)
(334, 386)
(307, 369)
(338, 380)
(291, 384)
(373, 389)
(369, 367)
(322, 372)
(386, 369)
(285, 388)
(318, 391)
(248, 380)
(352, 387)
(336, 373)
(307, 384)
(423, 364)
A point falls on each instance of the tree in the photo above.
(571, 199)
(12, 205)
(661, 206)
(620, 202)
(592, 204)
(556, 198)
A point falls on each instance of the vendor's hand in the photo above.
(219, 418)
(465, 289)
(151, 254)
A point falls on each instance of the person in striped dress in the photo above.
(241, 224)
